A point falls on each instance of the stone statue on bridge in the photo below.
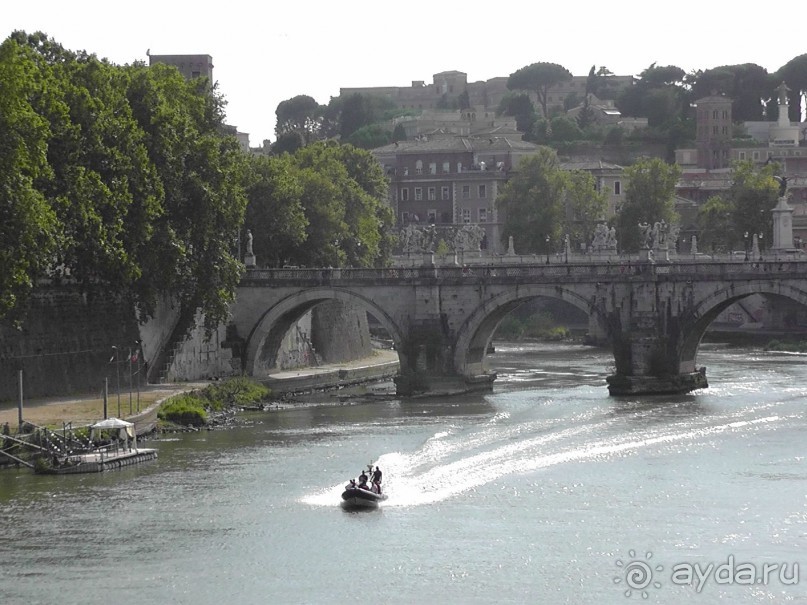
(604, 239)
(469, 238)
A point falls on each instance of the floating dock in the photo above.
(97, 462)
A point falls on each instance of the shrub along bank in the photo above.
(198, 407)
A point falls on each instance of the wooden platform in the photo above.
(97, 462)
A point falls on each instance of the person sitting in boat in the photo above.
(363, 480)
(377, 479)
(351, 485)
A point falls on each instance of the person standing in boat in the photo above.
(377, 479)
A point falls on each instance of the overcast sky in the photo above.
(267, 52)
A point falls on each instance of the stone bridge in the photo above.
(442, 319)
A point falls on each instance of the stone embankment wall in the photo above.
(65, 345)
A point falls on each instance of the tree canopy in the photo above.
(324, 205)
(649, 198)
(122, 179)
(539, 78)
(542, 200)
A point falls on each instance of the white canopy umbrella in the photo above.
(126, 430)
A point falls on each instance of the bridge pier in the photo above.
(620, 384)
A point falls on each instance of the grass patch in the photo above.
(192, 409)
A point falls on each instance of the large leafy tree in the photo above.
(715, 225)
(300, 114)
(532, 202)
(649, 198)
(135, 188)
(519, 106)
(748, 85)
(539, 78)
(729, 220)
(752, 195)
(28, 225)
(585, 206)
(334, 199)
(275, 212)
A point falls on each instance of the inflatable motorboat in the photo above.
(360, 497)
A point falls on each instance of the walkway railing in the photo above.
(618, 268)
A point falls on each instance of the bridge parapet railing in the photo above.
(550, 271)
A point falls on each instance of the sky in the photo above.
(266, 52)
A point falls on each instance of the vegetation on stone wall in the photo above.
(194, 408)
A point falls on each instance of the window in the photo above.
(432, 214)
(446, 167)
(714, 114)
(404, 217)
(418, 193)
(617, 188)
(446, 193)
(432, 193)
(466, 192)
(725, 130)
(725, 114)
(466, 215)
(433, 168)
(406, 171)
(405, 194)
(459, 166)
(483, 215)
(714, 129)
(742, 155)
(482, 191)
(756, 155)
(418, 167)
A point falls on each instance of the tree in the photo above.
(532, 202)
(300, 114)
(585, 206)
(715, 225)
(28, 226)
(519, 106)
(753, 194)
(275, 213)
(649, 198)
(539, 78)
(356, 113)
(370, 137)
(748, 85)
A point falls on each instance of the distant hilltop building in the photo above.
(190, 66)
(197, 66)
(447, 86)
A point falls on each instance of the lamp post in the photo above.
(547, 249)
(745, 241)
(117, 376)
(139, 344)
(761, 236)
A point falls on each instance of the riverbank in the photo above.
(81, 410)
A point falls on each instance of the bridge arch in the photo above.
(476, 332)
(269, 331)
(706, 311)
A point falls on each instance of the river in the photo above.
(546, 490)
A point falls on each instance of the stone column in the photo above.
(782, 225)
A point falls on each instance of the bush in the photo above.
(235, 392)
(187, 409)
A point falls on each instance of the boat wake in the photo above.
(457, 460)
